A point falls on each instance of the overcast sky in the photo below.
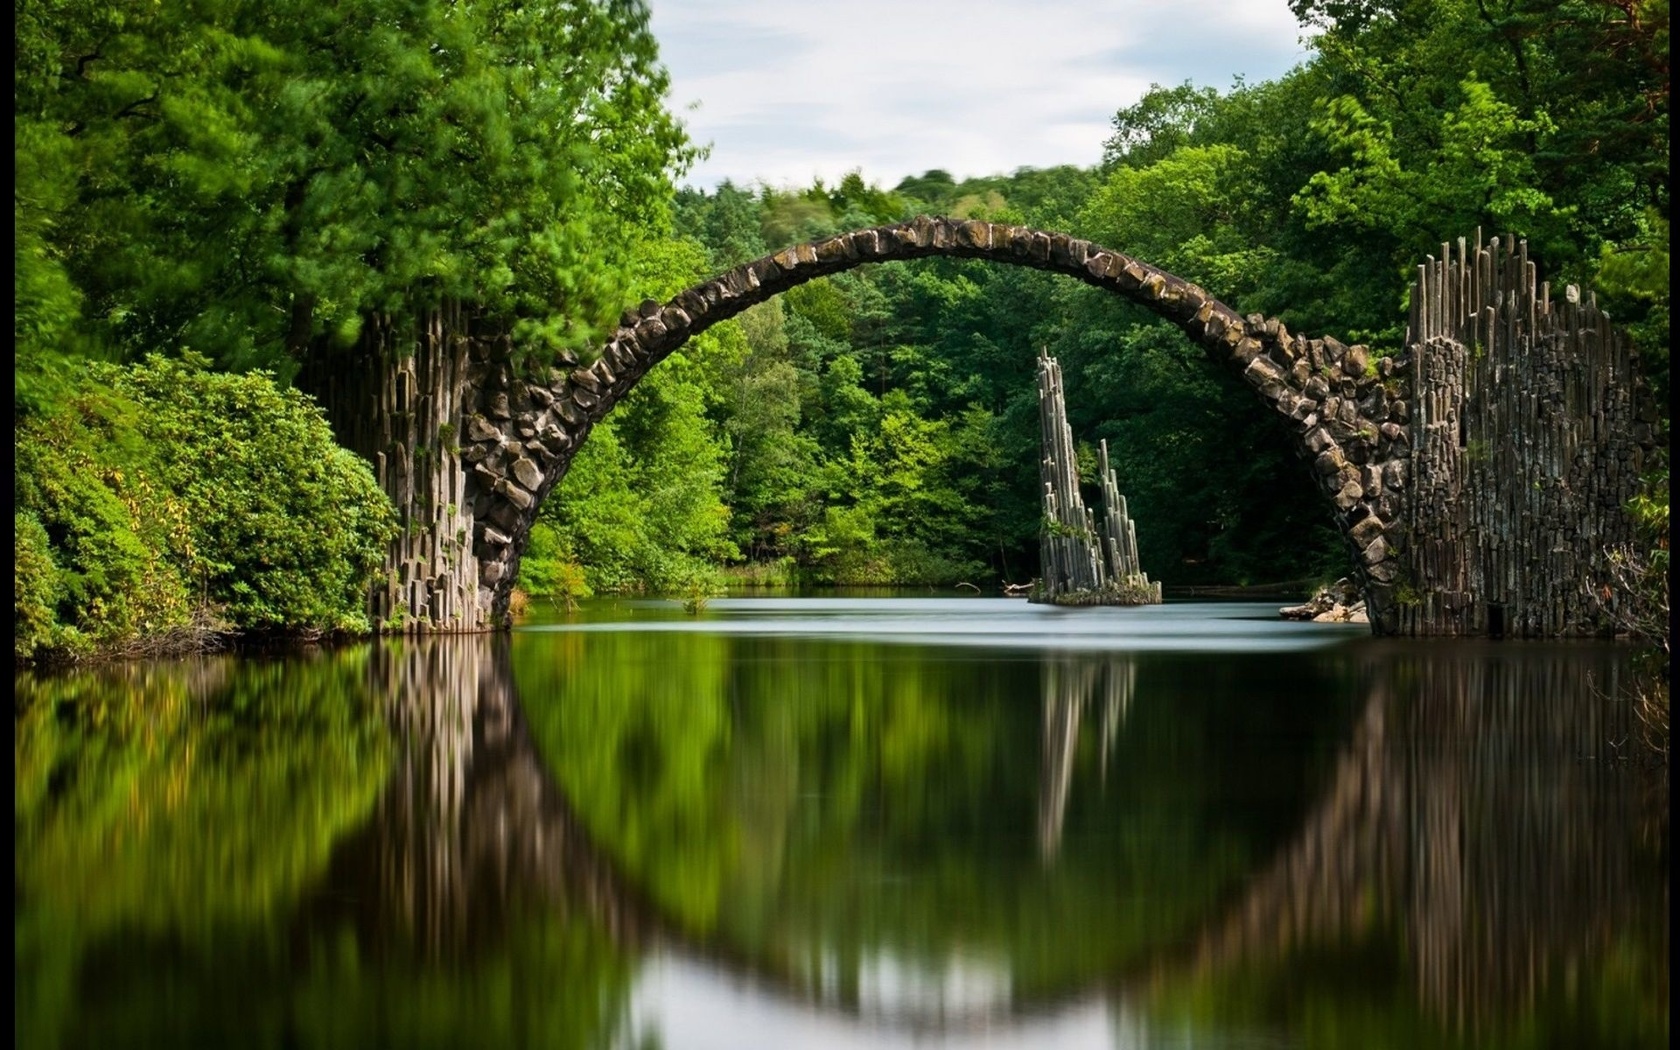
(787, 90)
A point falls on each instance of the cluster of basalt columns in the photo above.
(1532, 428)
(516, 432)
(1083, 559)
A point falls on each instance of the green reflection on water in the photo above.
(230, 852)
(1487, 867)
(811, 807)
(192, 800)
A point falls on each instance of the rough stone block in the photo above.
(675, 318)
(527, 473)
(515, 495)
(1347, 497)
(1263, 373)
(651, 333)
(1329, 462)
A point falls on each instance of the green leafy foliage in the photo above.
(243, 178)
(118, 559)
(287, 527)
(171, 498)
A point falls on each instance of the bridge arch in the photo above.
(1348, 418)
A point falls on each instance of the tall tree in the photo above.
(353, 193)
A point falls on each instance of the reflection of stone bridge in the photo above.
(1455, 820)
(1476, 477)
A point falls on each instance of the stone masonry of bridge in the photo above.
(1452, 561)
(1351, 420)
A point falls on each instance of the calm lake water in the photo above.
(835, 823)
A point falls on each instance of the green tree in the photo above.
(293, 185)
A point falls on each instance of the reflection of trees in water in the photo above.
(1486, 811)
(1071, 681)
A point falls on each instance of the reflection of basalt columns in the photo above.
(1468, 815)
(1069, 683)
(470, 822)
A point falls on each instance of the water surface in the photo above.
(840, 822)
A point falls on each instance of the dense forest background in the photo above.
(881, 426)
(229, 185)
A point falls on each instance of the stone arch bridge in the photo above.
(1477, 476)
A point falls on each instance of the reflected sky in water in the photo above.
(1015, 624)
(837, 823)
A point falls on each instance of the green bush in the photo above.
(35, 586)
(287, 526)
(156, 500)
(117, 540)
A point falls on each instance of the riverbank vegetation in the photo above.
(162, 507)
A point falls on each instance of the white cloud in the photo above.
(796, 89)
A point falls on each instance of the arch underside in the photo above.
(1348, 420)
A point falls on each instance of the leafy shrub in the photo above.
(153, 494)
(550, 570)
(117, 540)
(35, 586)
(288, 527)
